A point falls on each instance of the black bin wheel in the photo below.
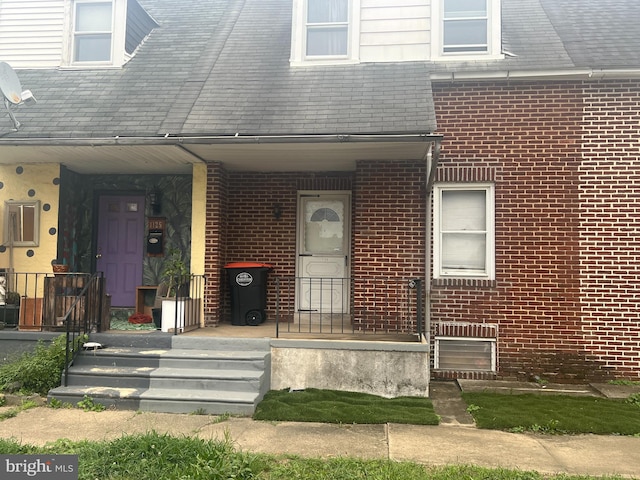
(254, 317)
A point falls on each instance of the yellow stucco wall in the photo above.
(32, 183)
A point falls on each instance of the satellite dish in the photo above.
(10, 84)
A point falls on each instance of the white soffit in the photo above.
(178, 159)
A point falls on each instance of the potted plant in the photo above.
(175, 274)
(176, 282)
(10, 311)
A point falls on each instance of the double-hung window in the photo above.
(464, 231)
(327, 28)
(465, 26)
(466, 30)
(92, 31)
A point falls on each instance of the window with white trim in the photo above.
(467, 28)
(92, 31)
(464, 242)
(325, 32)
(327, 27)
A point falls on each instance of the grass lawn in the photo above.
(330, 406)
(153, 456)
(554, 413)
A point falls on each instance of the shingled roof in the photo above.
(221, 67)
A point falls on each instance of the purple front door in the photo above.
(120, 246)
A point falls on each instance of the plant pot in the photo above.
(172, 309)
(10, 315)
(156, 313)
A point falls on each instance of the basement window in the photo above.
(465, 354)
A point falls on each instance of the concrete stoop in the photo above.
(172, 374)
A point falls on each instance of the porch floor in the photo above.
(268, 330)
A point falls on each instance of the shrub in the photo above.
(38, 371)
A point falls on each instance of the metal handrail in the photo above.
(77, 320)
(364, 305)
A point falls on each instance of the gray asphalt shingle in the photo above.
(222, 67)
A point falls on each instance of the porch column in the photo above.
(210, 237)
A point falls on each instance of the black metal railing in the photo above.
(85, 313)
(349, 305)
(181, 308)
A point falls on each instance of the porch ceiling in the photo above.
(118, 157)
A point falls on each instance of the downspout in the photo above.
(432, 159)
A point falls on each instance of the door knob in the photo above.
(99, 255)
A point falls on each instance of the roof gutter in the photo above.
(237, 139)
(579, 73)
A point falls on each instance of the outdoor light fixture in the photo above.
(277, 211)
(155, 198)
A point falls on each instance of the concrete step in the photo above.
(176, 374)
(182, 358)
(162, 400)
(179, 378)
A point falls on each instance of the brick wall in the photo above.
(251, 233)
(610, 224)
(564, 158)
(389, 239)
(526, 137)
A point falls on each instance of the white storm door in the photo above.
(323, 252)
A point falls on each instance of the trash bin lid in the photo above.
(248, 265)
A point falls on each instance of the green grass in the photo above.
(153, 456)
(330, 406)
(554, 413)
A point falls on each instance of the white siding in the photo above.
(395, 30)
(31, 32)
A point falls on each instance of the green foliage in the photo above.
(331, 406)
(12, 298)
(553, 414)
(153, 456)
(634, 399)
(472, 408)
(89, 405)
(38, 371)
(56, 404)
(3, 400)
(624, 382)
(175, 271)
(12, 412)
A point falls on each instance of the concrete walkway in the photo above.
(455, 441)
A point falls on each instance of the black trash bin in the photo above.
(248, 285)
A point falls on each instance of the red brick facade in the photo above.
(567, 259)
(563, 157)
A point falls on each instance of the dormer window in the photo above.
(92, 33)
(325, 32)
(105, 33)
(465, 26)
(466, 29)
(327, 27)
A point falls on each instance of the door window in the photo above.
(324, 227)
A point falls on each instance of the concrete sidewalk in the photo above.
(439, 445)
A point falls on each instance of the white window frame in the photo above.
(493, 352)
(438, 271)
(118, 30)
(299, 55)
(494, 35)
(18, 228)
